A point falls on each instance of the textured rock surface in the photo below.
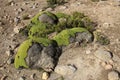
(113, 75)
(44, 18)
(43, 57)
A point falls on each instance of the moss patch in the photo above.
(22, 51)
(101, 38)
(63, 37)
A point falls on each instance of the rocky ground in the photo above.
(75, 63)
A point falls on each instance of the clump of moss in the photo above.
(101, 38)
(63, 37)
(53, 3)
(22, 51)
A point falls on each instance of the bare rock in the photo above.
(103, 55)
(43, 57)
(45, 75)
(113, 75)
(47, 19)
(22, 78)
(65, 69)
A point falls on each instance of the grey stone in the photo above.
(47, 19)
(113, 75)
(16, 20)
(84, 37)
(65, 69)
(22, 78)
(103, 55)
(10, 60)
(43, 57)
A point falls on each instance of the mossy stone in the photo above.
(22, 51)
(63, 37)
(51, 16)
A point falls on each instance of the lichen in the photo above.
(63, 37)
(22, 51)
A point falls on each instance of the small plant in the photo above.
(53, 3)
(101, 38)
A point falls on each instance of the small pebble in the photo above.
(9, 52)
(4, 77)
(103, 64)
(10, 60)
(16, 20)
(108, 67)
(22, 78)
(113, 75)
(20, 9)
(45, 75)
(16, 29)
(32, 76)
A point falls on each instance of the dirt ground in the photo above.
(105, 13)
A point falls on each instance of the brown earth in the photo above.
(105, 13)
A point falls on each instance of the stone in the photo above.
(43, 57)
(33, 76)
(65, 69)
(9, 52)
(22, 78)
(108, 67)
(4, 77)
(84, 36)
(45, 75)
(103, 55)
(20, 9)
(44, 18)
(113, 75)
(10, 60)
(17, 29)
(16, 20)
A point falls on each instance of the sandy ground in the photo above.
(105, 13)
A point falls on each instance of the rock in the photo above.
(65, 69)
(103, 55)
(45, 75)
(113, 75)
(108, 67)
(33, 76)
(4, 77)
(9, 52)
(10, 60)
(22, 78)
(84, 36)
(17, 29)
(20, 9)
(44, 18)
(16, 20)
(43, 57)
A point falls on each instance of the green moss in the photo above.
(62, 15)
(22, 51)
(21, 54)
(101, 38)
(63, 37)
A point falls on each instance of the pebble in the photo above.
(65, 70)
(16, 29)
(4, 77)
(20, 9)
(113, 75)
(45, 75)
(10, 60)
(22, 78)
(108, 67)
(16, 20)
(9, 52)
(103, 55)
(32, 76)
(88, 51)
